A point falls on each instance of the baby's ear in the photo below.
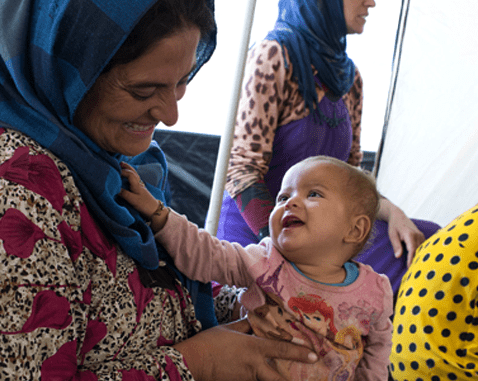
(359, 229)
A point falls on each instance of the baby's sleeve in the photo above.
(378, 345)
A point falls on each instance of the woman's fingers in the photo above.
(242, 326)
(224, 353)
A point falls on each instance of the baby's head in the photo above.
(326, 204)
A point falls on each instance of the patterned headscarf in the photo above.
(52, 52)
(314, 33)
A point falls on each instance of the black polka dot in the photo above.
(428, 329)
(439, 257)
(426, 257)
(436, 241)
(452, 376)
(417, 274)
(463, 237)
(442, 348)
(445, 332)
(402, 310)
(413, 328)
(433, 312)
(470, 365)
(400, 329)
(455, 260)
(461, 352)
(412, 347)
(439, 295)
(409, 291)
(447, 241)
(399, 348)
(464, 281)
(430, 363)
(427, 346)
(431, 275)
(435, 378)
(466, 336)
(451, 316)
(468, 223)
(401, 366)
(458, 299)
(475, 321)
(446, 277)
(473, 265)
(416, 310)
(414, 365)
(469, 319)
(472, 304)
(392, 366)
(451, 228)
(468, 374)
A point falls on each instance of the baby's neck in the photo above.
(331, 273)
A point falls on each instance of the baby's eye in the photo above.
(314, 194)
(282, 198)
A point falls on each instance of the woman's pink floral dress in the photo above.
(72, 306)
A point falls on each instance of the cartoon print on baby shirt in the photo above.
(339, 350)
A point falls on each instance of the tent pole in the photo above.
(228, 134)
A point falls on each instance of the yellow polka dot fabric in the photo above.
(436, 316)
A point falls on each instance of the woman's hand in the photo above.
(228, 352)
(400, 229)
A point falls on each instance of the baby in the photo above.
(303, 285)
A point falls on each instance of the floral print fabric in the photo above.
(71, 303)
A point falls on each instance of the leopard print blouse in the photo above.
(270, 98)
(72, 305)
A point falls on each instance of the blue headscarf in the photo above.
(52, 52)
(314, 32)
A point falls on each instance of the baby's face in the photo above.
(312, 213)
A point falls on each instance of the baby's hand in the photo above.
(138, 196)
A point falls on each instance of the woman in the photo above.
(302, 96)
(436, 324)
(85, 293)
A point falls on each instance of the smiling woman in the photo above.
(126, 103)
(85, 290)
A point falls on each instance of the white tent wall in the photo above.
(430, 153)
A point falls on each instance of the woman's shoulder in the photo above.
(11, 141)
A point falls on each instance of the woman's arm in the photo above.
(229, 352)
(266, 102)
(354, 102)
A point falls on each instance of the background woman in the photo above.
(85, 293)
(302, 96)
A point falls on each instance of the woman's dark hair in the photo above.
(163, 19)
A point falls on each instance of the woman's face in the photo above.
(121, 110)
(355, 12)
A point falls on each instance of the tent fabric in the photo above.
(191, 159)
(427, 165)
